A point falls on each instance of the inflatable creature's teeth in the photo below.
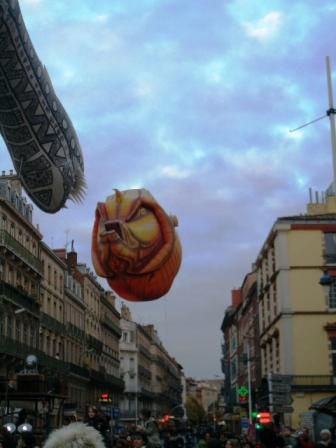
(78, 193)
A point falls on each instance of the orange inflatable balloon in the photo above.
(135, 246)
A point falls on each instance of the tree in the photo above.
(195, 412)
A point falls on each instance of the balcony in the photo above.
(146, 353)
(330, 258)
(74, 331)
(313, 383)
(94, 343)
(52, 324)
(16, 248)
(106, 379)
(12, 294)
(20, 350)
(127, 415)
(78, 370)
(112, 326)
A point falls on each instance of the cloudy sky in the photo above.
(193, 100)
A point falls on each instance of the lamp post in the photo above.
(136, 399)
(326, 281)
(249, 383)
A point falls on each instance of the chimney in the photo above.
(236, 297)
(72, 257)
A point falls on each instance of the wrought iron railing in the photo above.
(10, 243)
(313, 380)
(74, 331)
(94, 343)
(112, 326)
(20, 299)
(52, 324)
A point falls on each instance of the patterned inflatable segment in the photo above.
(37, 131)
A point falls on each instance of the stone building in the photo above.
(152, 377)
(53, 309)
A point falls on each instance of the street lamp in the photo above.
(133, 374)
(326, 281)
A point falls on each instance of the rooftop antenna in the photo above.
(66, 239)
(331, 114)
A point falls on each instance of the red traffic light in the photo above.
(105, 398)
(264, 417)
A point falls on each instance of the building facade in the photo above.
(152, 377)
(53, 311)
(295, 315)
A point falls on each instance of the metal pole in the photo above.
(249, 383)
(331, 113)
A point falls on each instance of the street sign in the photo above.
(115, 412)
(282, 409)
(280, 391)
(281, 400)
(281, 388)
(278, 378)
(244, 423)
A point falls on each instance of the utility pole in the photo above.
(331, 114)
(249, 383)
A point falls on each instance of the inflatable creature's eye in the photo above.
(141, 212)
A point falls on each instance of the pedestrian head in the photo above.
(232, 443)
(325, 435)
(139, 440)
(145, 413)
(75, 435)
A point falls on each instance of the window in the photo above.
(332, 295)
(333, 355)
(9, 327)
(18, 330)
(330, 247)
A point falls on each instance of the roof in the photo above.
(328, 217)
(326, 405)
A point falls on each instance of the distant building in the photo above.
(206, 392)
(152, 377)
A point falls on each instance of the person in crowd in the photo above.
(75, 435)
(26, 440)
(203, 440)
(98, 421)
(150, 428)
(176, 438)
(304, 439)
(190, 440)
(289, 441)
(232, 443)
(325, 440)
(8, 439)
(140, 440)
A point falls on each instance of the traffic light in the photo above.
(263, 418)
(165, 419)
(105, 397)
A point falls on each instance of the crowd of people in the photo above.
(98, 432)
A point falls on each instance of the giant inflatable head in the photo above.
(135, 246)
